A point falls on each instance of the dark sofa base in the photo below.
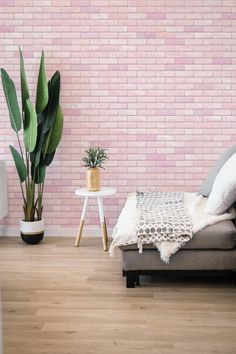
(189, 262)
(133, 276)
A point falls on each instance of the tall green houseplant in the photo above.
(42, 126)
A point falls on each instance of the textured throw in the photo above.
(125, 231)
(162, 217)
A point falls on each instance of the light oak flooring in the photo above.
(58, 299)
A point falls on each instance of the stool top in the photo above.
(103, 192)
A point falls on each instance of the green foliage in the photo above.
(11, 99)
(43, 126)
(30, 126)
(20, 165)
(56, 131)
(23, 81)
(40, 174)
(95, 157)
(42, 88)
(49, 158)
(54, 92)
(29, 207)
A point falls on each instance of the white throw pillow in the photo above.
(223, 193)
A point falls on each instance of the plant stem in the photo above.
(42, 188)
(27, 168)
(22, 191)
(40, 196)
(21, 151)
(30, 210)
(27, 164)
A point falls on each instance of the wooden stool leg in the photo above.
(80, 230)
(103, 224)
(79, 233)
(106, 231)
(104, 235)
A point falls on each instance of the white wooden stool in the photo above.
(104, 192)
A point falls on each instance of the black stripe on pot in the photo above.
(33, 239)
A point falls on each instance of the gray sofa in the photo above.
(212, 249)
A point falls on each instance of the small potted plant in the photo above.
(42, 126)
(94, 159)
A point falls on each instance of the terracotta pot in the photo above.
(32, 232)
(93, 179)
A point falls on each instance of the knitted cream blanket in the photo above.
(161, 216)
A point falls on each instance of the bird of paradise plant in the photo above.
(42, 126)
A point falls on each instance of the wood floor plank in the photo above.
(66, 300)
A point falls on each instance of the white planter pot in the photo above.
(32, 232)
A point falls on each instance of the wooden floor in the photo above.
(58, 299)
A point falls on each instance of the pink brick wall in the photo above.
(152, 80)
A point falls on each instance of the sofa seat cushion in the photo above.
(221, 236)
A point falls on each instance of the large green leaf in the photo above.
(30, 126)
(56, 131)
(41, 117)
(11, 98)
(23, 81)
(42, 88)
(54, 94)
(40, 174)
(20, 165)
(36, 154)
(45, 143)
(49, 158)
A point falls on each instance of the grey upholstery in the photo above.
(206, 188)
(212, 249)
(182, 260)
(220, 236)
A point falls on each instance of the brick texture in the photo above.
(153, 81)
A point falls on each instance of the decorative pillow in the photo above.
(206, 188)
(223, 193)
